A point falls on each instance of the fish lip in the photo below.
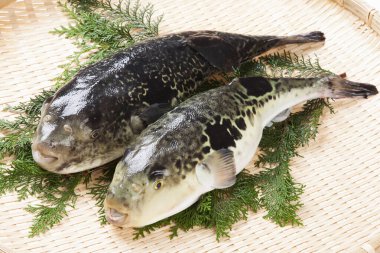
(47, 160)
(44, 158)
(115, 218)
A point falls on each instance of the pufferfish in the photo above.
(205, 142)
(90, 121)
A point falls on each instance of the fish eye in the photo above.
(158, 184)
(95, 133)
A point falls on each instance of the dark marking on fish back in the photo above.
(235, 133)
(206, 150)
(256, 86)
(217, 130)
(240, 123)
(204, 138)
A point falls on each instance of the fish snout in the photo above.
(48, 154)
(114, 217)
(116, 212)
(114, 200)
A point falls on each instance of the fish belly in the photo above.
(246, 147)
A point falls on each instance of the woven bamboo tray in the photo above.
(340, 168)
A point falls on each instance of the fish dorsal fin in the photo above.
(256, 86)
(148, 116)
(218, 170)
(215, 49)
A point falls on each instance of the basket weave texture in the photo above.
(341, 168)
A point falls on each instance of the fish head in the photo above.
(76, 132)
(142, 194)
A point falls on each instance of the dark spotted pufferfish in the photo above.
(90, 121)
(205, 142)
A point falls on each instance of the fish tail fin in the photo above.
(339, 87)
(311, 37)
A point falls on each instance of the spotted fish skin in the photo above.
(89, 121)
(229, 118)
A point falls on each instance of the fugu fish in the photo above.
(205, 142)
(89, 121)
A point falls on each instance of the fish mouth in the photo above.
(42, 158)
(45, 157)
(114, 217)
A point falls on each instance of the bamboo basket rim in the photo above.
(364, 10)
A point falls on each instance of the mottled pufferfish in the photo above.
(89, 121)
(205, 142)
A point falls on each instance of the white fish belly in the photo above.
(246, 147)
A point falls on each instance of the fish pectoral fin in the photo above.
(216, 50)
(148, 116)
(154, 112)
(218, 170)
(280, 117)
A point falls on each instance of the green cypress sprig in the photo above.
(56, 203)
